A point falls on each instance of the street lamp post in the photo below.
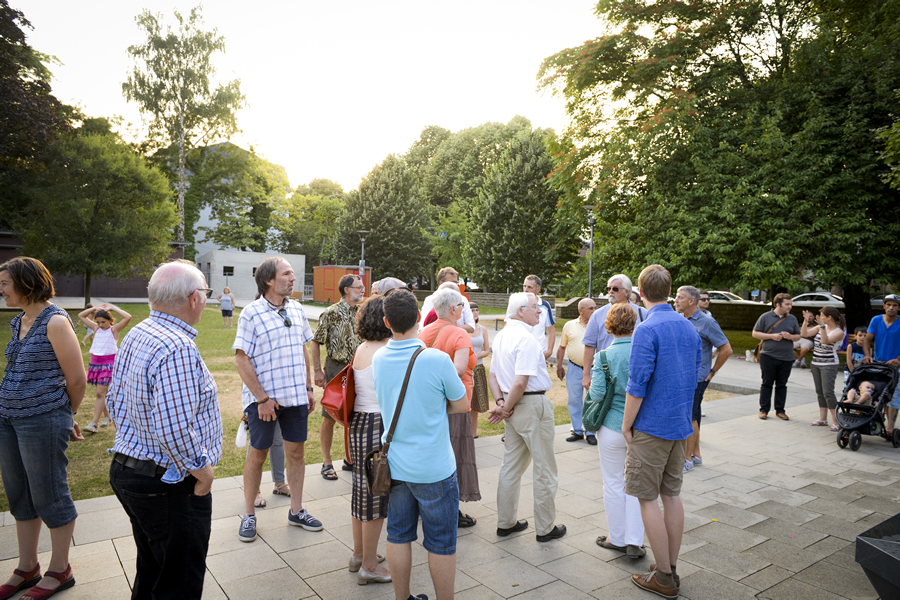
(362, 259)
(589, 209)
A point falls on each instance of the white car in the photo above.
(818, 300)
(719, 297)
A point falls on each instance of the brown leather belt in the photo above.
(142, 466)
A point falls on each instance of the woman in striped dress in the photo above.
(42, 387)
(366, 429)
(828, 333)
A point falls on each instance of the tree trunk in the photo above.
(87, 288)
(857, 306)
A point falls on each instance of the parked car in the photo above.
(818, 300)
(719, 297)
(878, 300)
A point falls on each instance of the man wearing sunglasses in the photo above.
(271, 358)
(595, 335)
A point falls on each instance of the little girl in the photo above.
(103, 354)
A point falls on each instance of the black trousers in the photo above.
(171, 531)
(774, 372)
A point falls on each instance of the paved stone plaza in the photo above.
(772, 513)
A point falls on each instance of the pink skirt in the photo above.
(100, 369)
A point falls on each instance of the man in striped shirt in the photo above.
(168, 436)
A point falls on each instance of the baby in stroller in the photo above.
(863, 395)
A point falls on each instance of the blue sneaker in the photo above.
(305, 520)
(247, 532)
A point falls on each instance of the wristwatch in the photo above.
(713, 371)
(309, 389)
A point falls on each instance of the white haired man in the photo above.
(168, 437)
(595, 335)
(519, 382)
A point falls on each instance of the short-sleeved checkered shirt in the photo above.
(275, 351)
(164, 400)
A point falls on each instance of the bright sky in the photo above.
(334, 87)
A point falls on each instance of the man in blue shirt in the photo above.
(687, 302)
(423, 466)
(662, 376)
(884, 331)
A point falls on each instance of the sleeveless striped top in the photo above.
(33, 383)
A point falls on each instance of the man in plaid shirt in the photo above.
(271, 358)
(168, 436)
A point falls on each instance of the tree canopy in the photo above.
(735, 143)
(98, 209)
(306, 224)
(171, 83)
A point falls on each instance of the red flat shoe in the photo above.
(65, 579)
(30, 578)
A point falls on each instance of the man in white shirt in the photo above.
(520, 382)
(545, 330)
(467, 321)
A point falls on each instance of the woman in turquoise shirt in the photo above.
(623, 513)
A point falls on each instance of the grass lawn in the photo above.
(89, 461)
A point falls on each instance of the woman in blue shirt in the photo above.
(42, 387)
(623, 512)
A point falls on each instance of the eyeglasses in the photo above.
(614, 289)
(704, 299)
(283, 314)
(359, 288)
(208, 291)
(461, 304)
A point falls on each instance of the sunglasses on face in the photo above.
(283, 314)
(614, 289)
(704, 299)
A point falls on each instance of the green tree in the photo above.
(171, 84)
(390, 207)
(243, 191)
(735, 143)
(517, 227)
(320, 187)
(306, 224)
(97, 209)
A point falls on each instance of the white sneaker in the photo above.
(105, 421)
(688, 466)
(90, 427)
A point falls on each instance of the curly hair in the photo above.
(370, 320)
(620, 319)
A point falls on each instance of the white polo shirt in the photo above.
(516, 352)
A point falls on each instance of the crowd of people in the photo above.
(654, 361)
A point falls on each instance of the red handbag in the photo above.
(338, 400)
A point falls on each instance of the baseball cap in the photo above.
(893, 297)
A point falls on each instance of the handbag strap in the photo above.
(778, 322)
(434, 339)
(605, 366)
(390, 435)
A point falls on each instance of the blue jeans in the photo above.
(696, 411)
(171, 531)
(438, 505)
(33, 464)
(576, 396)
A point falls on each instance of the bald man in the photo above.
(570, 345)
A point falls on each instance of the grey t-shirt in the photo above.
(782, 349)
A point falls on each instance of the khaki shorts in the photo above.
(653, 466)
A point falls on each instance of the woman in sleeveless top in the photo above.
(226, 305)
(828, 334)
(481, 345)
(366, 429)
(103, 354)
(42, 387)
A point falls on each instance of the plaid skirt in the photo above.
(100, 369)
(366, 430)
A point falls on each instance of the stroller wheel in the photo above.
(842, 438)
(895, 438)
(855, 440)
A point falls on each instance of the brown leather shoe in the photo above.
(782, 416)
(763, 416)
(649, 582)
(674, 576)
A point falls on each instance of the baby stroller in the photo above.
(856, 420)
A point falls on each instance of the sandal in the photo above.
(465, 520)
(328, 472)
(29, 579)
(604, 542)
(835, 428)
(346, 466)
(65, 579)
(260, 502)
(280, 487)
(819, 423)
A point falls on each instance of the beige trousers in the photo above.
(529, 437)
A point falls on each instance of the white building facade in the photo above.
(237, 270)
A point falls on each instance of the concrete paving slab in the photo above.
(736, 517)
(768, 577)
(509, 576)
(705, 585)
(533, 552)
(584, 572)
(784, 512)
(838, 580)
(837, 509)
(718, 559)
(792, 589)
(788, 533)
(246, 562)
(730, 537)
(282, 584)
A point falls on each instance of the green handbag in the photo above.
(595, 410)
